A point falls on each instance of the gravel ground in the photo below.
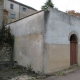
(15, 74)
(21, 73)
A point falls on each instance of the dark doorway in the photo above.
(73, 49)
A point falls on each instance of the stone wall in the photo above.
(1, 13)
(5, 53)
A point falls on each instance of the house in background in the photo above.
(11, 10)
(49, 41)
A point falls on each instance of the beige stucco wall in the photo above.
(28, 45)
(28, 51)
(57, 57)
(59, 27)
(78, 55)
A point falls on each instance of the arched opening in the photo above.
(73, 49)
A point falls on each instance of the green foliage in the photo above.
(60, 73)
(47, 4)
(6, 37)
(29, 69)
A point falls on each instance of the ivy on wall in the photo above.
(6, 39)
(6, 36)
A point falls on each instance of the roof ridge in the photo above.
(26, 16)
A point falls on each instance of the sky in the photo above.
(63, 5)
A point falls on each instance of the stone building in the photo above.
(49, 41)
(11, 10)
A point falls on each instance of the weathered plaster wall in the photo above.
(45, 46)
(58, 28)
(28, 34)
